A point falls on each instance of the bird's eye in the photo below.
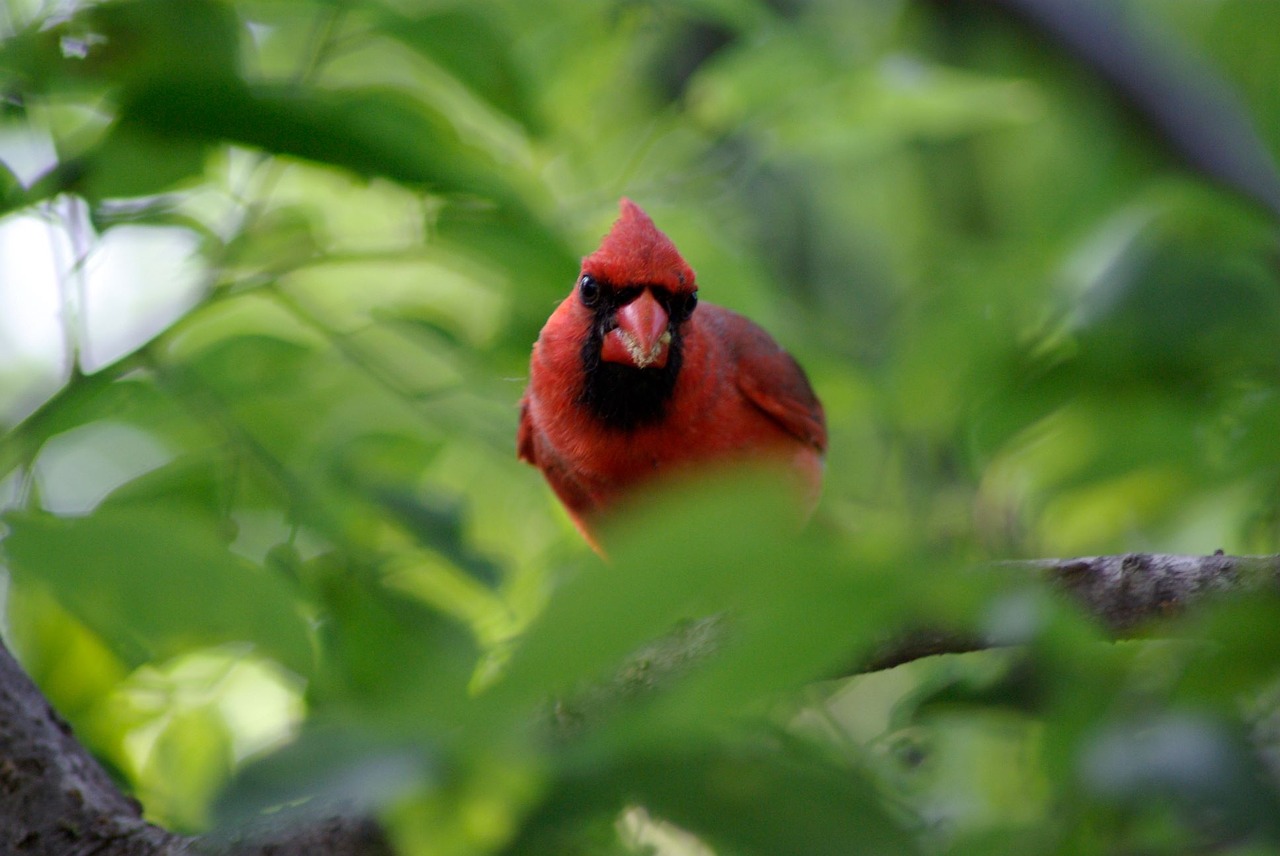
(588, 291)
(684, 306)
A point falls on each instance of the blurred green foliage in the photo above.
(282, 549)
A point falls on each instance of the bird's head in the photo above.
(639, 291)
(636, 295)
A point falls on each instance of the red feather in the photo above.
(600, 419)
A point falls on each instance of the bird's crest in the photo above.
(636, 252)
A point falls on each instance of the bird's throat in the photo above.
(622, 394)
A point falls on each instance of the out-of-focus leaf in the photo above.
(326, 767)
(607, 611)
(70, 663)
(534, 257)
(157, 581)
(79, 468)
(126, 42)
(792, 87)
(1177, 292)
(1192, 762)
(11, 190)
(259, 385)
(157, 39)
(1241, 658)
(692, 44)
(188, 764)
(280, 238)
(468, 44)
(467, 310)
(385, 470)
(1014, 688)
(371, 132)
(253, 363)
(1198, 113)
(391, 662)
(197, 485)
(385, 460)
(153, 211)
(130, 162)
(439, 522)
(1239, 38)
(745, 800)
(794, 610)
(99, 396)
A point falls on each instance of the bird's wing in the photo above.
(773, 381)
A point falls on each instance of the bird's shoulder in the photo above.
(767, 376)
(524, 434)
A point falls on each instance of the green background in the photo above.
(1034, 279)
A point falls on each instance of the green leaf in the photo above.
(104, 395)
(532, 254)
(796, 611)
(251, 365)
(281, 237)
(1204, 766)
(747, 800)
(157, 581)
(187, 766)
(1183, 288)
(327, 766)
(195, 484)
(70, 663)
(1242, 657)
(815, 106)
(125, 42)
(12, 194)
(468, 44)
(372, 132)
(168, 124)
(129, 162)
(439, 521)
(390, 661)
(161, 40)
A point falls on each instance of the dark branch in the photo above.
(1123, 593)
(54, 797)
(1193, 107)
(56, 800)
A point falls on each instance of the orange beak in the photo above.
(642, 337)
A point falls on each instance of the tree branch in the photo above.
(56, 800)
(54, 797)
(1122, 592)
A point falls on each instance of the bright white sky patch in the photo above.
(138, 281)
(135, 282)
(27, 151)
(35, 254)
(78, 468)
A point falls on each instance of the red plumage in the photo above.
(631, 380)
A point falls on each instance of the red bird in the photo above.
(631, 378)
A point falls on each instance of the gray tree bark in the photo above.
(1122, 593)
(56, 800)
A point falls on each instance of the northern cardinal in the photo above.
(632, 378)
